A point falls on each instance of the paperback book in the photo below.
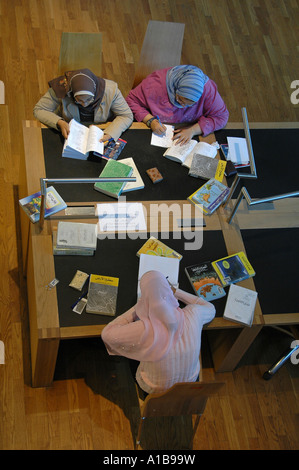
(138, 184)
(233, 268)
(207, 168)
(82, 140)
(209, 196)
(205, 281)
(31, 204)
(113, 149)
(184, 153)
(113, 168)
(63, 251)
(155, 247)
(76, 235)
(102, 295)
(240, 305)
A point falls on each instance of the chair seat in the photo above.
(81, 50)
(162, 47)
(185, 398)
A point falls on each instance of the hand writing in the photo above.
(158, 128)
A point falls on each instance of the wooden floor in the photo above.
(250, 49)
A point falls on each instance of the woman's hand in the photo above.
(105, 138)
(64, 127)
(158, 128)
(183, 136)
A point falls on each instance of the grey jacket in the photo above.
(50, 109)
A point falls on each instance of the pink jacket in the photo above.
(181, 363)
(150, 96)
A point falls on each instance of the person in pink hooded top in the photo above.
(181, 94)
(165, 338)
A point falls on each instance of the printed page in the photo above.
(77, 138)
(238, 150)
(180, 151)
(121, 216)
(93, 142)
(164, 140)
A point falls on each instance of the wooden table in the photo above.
(229, 341)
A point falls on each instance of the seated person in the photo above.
(181, 94)
(157, 332)
(83, 96)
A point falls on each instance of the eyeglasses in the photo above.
(184, 101)
(84, 101)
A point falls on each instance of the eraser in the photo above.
(79, 280)
(154, 175)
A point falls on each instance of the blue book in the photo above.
(209, 196)
(31, 204)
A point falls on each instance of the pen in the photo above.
(77, 301)
(108, 141)
(159, 121)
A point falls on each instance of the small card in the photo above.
(80, 306)
(79, 280)
(154, 175)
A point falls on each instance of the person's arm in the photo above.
(117, 332)
(215, 113)
(123, 116)
(47, 110)
(205, 308)
(154, 124)
(137, 102)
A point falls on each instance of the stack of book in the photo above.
(119, 169)
(75, 238)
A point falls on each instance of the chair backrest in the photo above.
(184, 398)
(81, 50)
(161, 48)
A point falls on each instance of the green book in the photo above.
(113, 168)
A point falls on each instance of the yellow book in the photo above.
(233, 268)
(155, 247)
(220, 170)
(102, 295)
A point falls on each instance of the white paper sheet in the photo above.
(164, 140)
(238, 151)
(121, 216)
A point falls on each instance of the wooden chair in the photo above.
(185, 398)
(81, 50)
(161, 48)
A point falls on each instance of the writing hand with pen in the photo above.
(157, 126)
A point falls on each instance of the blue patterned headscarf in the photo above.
(186, 80)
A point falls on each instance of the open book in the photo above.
(184, 153)
(82, 140)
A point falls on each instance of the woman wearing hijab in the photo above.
(181, 94)
(83, 96)
(165, 338)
